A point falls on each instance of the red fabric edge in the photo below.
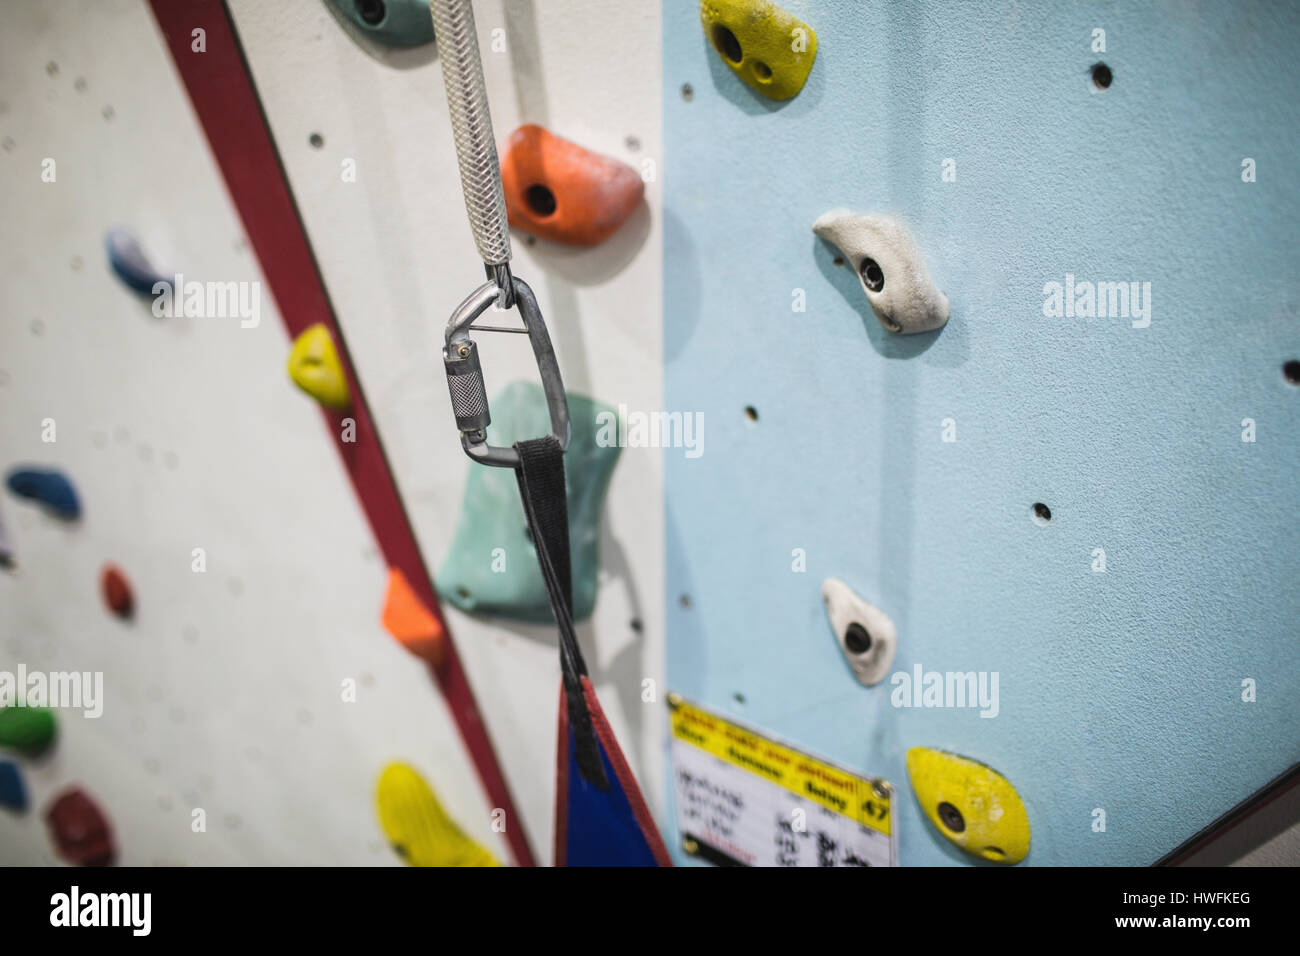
(226, 104)
(624, 773)
(562, 785)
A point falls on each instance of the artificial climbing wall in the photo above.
(224, 692)
(1120, 690)
(397, 256)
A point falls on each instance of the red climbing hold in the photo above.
(80, 830)
(560, 191)
(117, 591)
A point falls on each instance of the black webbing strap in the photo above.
(541, 486)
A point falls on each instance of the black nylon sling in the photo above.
(540, 474)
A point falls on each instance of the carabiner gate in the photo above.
(465, 375)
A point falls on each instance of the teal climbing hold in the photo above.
(49, 487)
(29, 730)
(492, 565)
(13, 793)
(395, 23)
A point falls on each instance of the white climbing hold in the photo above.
(890, 267)
(865, 633)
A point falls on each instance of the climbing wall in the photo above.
(225, 693)
(962, 481)
(397, 256)
(1120, 690)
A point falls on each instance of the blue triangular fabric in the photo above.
(596, 827)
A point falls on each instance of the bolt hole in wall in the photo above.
(540, 200)
(872, 274)
(1042, 513)
(1102, 77)
(856, 638)
(751, 413)
(316, 140)
(372, 11)
(688, 92)
(726, 43)
(1291, 371)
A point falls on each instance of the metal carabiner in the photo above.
(465, 374)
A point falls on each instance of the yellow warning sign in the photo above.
(860, 799)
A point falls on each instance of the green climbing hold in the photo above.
(27, 729)
(492, 565)
(394, 23)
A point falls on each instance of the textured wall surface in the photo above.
(225, 692)
(1119, 690)
(397, 256)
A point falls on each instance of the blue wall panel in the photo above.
(1119, 690)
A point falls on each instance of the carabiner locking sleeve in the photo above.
(465, 374)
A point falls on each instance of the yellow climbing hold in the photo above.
(315, 368)
(768, 48)
(971, 804)
(418, 827)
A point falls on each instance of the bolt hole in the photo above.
(762, 71)
(751, 413)
(856, 639)
(462, 593)
(951, 817)
(739, 698)
(839, 261)
(371, 11)
(316, 140)
(688, 92)
(685, 600)
(726, 43)
(1042, 513)
(872, 274)
(540, 200)
(636, 625)
(1291, 371)
(1102, 77)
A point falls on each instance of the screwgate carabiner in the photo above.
(465, 375)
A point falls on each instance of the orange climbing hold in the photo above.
(558, 190)
(117, 591)
(408, 620)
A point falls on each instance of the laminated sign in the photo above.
(744, 799)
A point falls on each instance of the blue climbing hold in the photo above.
(13, 795)
(48, 487)
(130, 264)
(6, 551)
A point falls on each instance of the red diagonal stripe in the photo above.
(221, 89)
